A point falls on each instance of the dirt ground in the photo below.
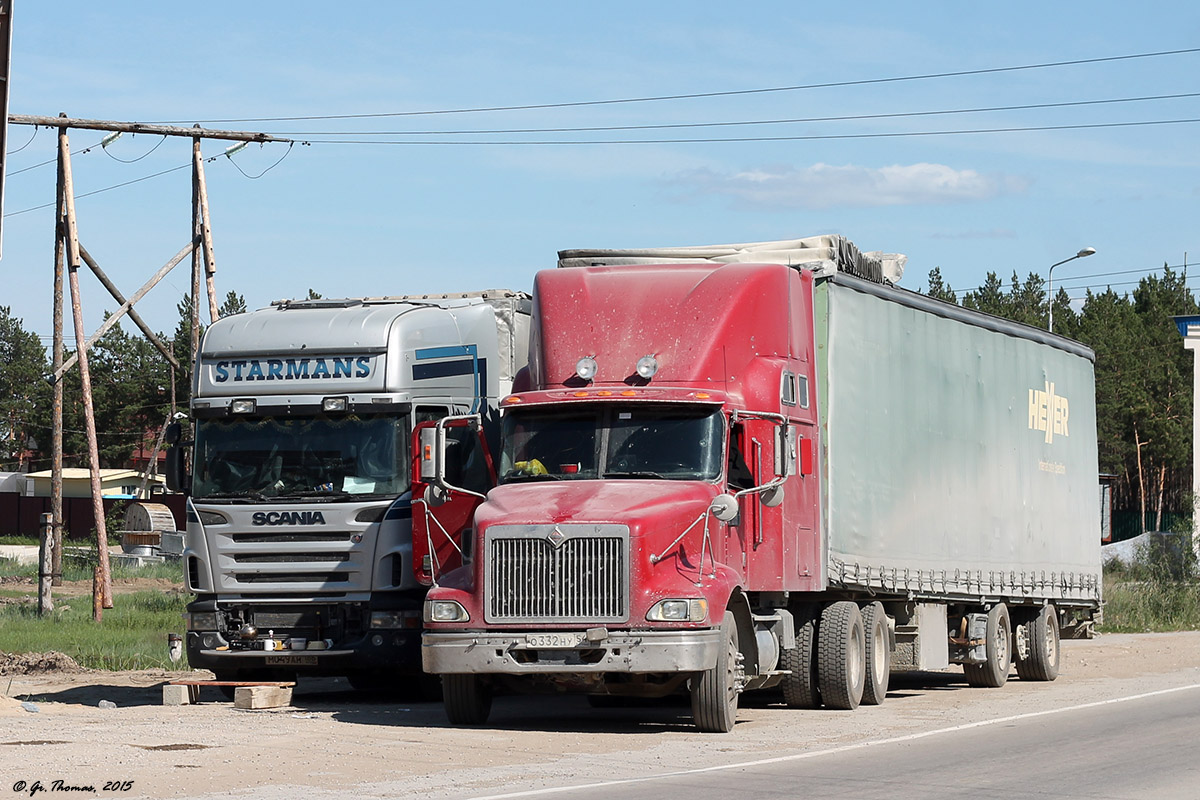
(332, 742)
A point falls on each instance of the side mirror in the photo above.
(435, 495)
(176, 470)
(173, 433)
(772, 497)
(724, 507)
(431, 455)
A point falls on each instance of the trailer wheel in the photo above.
(993, 673)
(878, 653)
(800, 685)
(1041, 632)
(467, 699)
(715, 691)
(841, 655)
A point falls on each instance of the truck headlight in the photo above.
(201, 621)
(694, 610)
(445, 611)
(395, 619)
(212, 518)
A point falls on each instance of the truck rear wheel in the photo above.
(467, 699)
(993, 672)
(800, 685)
(841, 655)
(1041, 636)
(715, 691)
(878, 654)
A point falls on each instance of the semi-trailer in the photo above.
(749, 466)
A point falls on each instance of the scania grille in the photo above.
(557, 573)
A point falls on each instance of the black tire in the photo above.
(841, 655)
(467, 699)
(715, 691)
(878, 654)
(993, 673)
(1041, 635)
(800, 686)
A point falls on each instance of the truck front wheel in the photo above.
(467, 699)
(993, 672)
(841, 655)
(1041, 635)
(715, 691)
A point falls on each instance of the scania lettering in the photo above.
(300, 514)
(750, 466)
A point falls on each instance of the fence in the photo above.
(21, 516)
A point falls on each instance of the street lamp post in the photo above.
(1084, 253)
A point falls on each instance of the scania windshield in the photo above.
(301, 457)
(673, 442)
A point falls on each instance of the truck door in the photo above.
(442, 522)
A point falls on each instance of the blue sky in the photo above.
(361, 219)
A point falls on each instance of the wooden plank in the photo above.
(262, 696)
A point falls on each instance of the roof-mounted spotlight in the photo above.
(646, 367)
(586, 368)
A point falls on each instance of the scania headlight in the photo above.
(445, 611)
(394, 619)
(201, 621)
(693, 610)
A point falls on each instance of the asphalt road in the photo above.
(1128, 748)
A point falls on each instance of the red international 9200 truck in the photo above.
(750, 466)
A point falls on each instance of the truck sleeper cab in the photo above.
(845, 482)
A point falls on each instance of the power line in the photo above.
(701, 95)
(687, 125)
(1177, 267)
(746, 139)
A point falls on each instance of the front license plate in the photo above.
(547, 641)
(298, 661)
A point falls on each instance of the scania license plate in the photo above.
(545, 641)
(290, 660)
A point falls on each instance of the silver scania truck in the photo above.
(299, 521)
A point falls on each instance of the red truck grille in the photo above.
(557, 573)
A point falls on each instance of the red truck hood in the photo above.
(643, 505)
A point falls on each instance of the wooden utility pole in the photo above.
(102, 580)
(67, 248)
(56, 442)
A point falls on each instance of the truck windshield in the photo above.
(316, 457)
(612, 441)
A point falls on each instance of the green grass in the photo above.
(132, 634)
(79, 568)
(1157, 592)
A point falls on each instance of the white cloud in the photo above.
(827, 186)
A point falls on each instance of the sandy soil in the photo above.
(333, 742)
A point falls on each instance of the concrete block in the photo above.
(262, 696)
(179, 695)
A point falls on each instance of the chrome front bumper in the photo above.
(526, 653)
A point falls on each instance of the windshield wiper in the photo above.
(634, 475)
(545, 476)
(247, 495)
(312, 494)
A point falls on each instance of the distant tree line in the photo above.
(1143, 377)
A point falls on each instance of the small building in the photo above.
(77, 482)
